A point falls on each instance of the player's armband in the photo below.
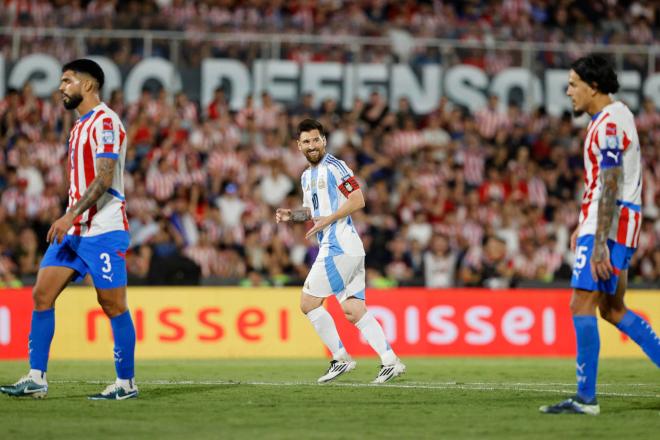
(348, 186)
(611, 153)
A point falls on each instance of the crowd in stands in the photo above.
(563, 21)
(452, 198)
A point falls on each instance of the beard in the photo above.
(314, 160)
(72, 102)
(577, 113)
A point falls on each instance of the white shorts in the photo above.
(341, 275)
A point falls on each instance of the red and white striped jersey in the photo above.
(98, 133)
(612, 141)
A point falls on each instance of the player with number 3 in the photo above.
(91, 238)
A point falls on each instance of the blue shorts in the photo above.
(620, 256)
(102, 256)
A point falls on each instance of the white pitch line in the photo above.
(476, 386)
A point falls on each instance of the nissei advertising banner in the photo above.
(478, 322)
(204, 322)
(173, 323)
(15, 314)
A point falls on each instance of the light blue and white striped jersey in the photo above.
(322, 196)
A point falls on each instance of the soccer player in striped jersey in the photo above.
(330, 195)
(91, 238)
(608, 230)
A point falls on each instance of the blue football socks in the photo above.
(588, 347)
(41, 335)
(641, 332)
(124, 353)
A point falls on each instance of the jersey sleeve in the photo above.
(304, 182)
(109, 136)
(610, 143)
(346, 181)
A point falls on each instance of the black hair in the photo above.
(84, 65)
(309, 125)
(598, 72)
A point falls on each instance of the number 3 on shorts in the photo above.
(580, 257)
(107, 266)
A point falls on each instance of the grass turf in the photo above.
(437, 398)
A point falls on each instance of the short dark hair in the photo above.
(598, 72)
(85, 65)
(309, 125)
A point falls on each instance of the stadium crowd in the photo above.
(453, 198)
(565, 21)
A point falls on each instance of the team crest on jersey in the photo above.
(610, 129)
(321, 184)
(108, 137)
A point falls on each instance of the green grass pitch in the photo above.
(447, 398)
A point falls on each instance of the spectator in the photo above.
(439, 263)
(231, 206)
(488, 267)
(275, 186)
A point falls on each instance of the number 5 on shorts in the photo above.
(580, 257)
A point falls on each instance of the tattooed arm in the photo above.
(299, 215)
(105, 170)
(601, 268)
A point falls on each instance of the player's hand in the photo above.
(58, 229)
(574, 237)
(320, 223)
(601, 268)
(282, 215)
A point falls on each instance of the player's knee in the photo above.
(354, 313)
(575, 306)
(41, 299)
(612, 313)
(112, 308)
(306, 307)
(605, 311)
(350, 316)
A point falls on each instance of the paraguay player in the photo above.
(330, 195)
(91, 238)
(608, 230)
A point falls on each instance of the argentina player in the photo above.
(330, 195)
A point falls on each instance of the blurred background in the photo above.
(451, 113)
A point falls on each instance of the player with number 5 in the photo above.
(330, 195)
(91, 238)
(608, 230)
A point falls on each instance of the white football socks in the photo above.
(38, 376)
(373, 333)
(325, 328)
(127, 384)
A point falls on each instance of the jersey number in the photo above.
(107, 267)
(580, 257)
(315, 201)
